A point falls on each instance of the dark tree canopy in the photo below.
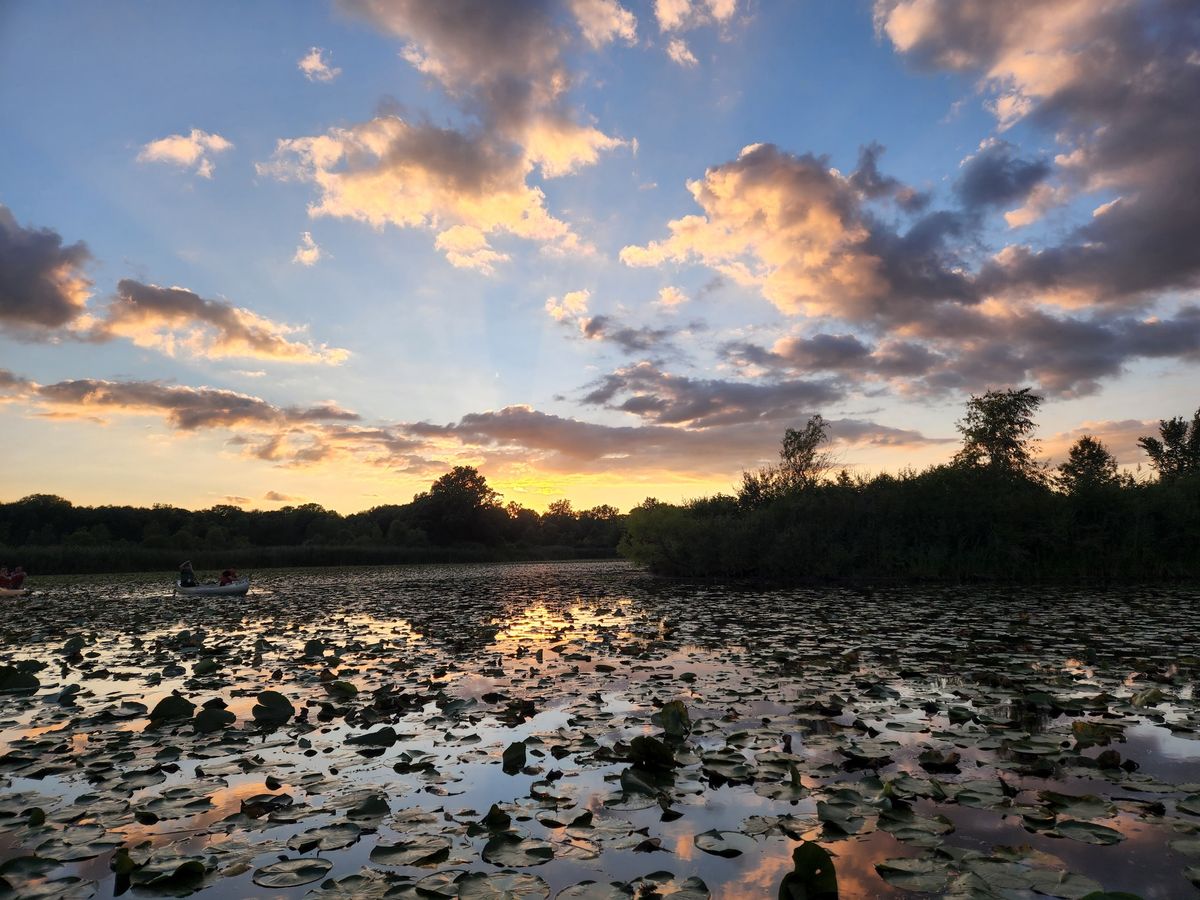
(1089, 465)
(802, 463)
(998, 431)
(1176, 452)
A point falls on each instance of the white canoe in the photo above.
(13, 592)
(233, 589)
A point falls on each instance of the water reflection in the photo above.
(864, 727)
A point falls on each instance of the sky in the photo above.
(289, 252)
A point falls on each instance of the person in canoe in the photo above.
(229, 576)
(187, 575)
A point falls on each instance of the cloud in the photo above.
(572, 309)
(466, 247)
(1116, 85)
(1119, 436)
(603, 21)
(800, 232)
(519, 436)
(572, 305)
(42, 281)
(681, 15)
(315, 66)
(841, 353)
(995, 176)
(185, 408)
(628, 338)
(659, 397)
(671, 297)
(276, 497)
(387, 171)
(11, 383)
(307, 253)
(173, 318)
(502, 64)
(190, 151)
(1063, 355)
(679, 53)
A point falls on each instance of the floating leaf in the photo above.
(502, 886)
(326, 837)
(426, 851)
(724, 843)
(514, 757)
(292, 872)
(511, 849)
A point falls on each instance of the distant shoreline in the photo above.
(132, 559)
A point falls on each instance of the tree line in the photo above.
(459, 518)
(994, 511)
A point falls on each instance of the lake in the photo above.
(583, 730)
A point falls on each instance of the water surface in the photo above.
(965, 742)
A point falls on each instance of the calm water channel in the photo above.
(662, 739)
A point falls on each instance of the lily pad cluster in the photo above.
(584, 731)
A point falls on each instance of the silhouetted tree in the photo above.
(802, 464)
(460, 506)
(1178, 451)
(997, 433)
(1089, 465)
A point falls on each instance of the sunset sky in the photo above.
(283, 252)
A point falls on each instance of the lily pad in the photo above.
(292, 872)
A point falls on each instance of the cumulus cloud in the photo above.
(463, 186)
(680, 54)
(187, 151)
(995, 176)
(307, 253)
(316, 66)
(1116, 85)
(671, 297)
(800, 232)
(42, 281)
(681, 15)
(502, 63)
(603, 21)
(572, 305)
(172, 319)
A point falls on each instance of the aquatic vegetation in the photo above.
(581, 730)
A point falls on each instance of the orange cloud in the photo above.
(186, 151)
(170, 319)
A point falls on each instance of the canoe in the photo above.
(13, 592)
(212, 589)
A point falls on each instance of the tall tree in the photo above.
(460, 506)
(998, 433)
(1089, 465)
(802, 463)
(1177, 451)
